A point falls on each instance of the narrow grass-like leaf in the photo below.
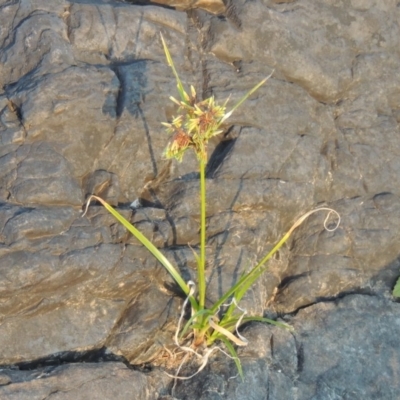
(234, 355)
(245, 282)
(183, 95)
(231, 325)
(222, 332)
(245, 97)
(150, 246)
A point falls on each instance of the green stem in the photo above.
(202, 263)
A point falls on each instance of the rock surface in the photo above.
(325, 358)
(84, 87)
(110, 380)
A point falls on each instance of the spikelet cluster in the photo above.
(195, 124)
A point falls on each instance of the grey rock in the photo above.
(4, 379)
(84, 87)
(111, 380)
(142, 342)
(326, 357)
(57, 328)
(103, 184)
(212, 6)
(44, 177)
(337, 339)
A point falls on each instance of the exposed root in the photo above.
(205, 355)
(204, 361)
(213, 320)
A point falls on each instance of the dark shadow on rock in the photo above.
(221, 244)
(132, 84)
(132, 93)
(69, 357)
(219, 155)
(377, 285)
(146, 3)
(289, 279)
(131, 74)
(121, 3)
(158, 204)
(386, 277)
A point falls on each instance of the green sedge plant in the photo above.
(195, 124)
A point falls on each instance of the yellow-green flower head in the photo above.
(178, 145)
(196, 124)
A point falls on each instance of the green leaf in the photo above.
(245, 97)
(183, 95)
(150, 246)
(245, 282)
(396, 290)
(234, 355)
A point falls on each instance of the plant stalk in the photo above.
(202, 263)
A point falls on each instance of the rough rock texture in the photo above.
(212, 6)
(110, 380)
(335, 352)
(84, 87)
